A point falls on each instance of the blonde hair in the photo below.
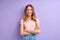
(33, 16)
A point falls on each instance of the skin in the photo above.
(28, 32)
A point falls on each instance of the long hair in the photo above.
(33, 16)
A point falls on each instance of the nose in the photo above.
(29, 11)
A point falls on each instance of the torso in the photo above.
(30, 25)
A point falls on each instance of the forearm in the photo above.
(25, 33)
(33, 31)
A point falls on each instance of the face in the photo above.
(29, 11)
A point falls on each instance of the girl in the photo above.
(29, 25)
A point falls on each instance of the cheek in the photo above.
(29, 11)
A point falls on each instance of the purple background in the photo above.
(47, 11)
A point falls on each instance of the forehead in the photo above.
(29, 7)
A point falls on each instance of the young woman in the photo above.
(29, 24)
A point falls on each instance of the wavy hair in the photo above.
(33, 16)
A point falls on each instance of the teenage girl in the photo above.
(29, 24)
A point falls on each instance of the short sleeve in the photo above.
(37, 20)
(21, 21)
(38, 24)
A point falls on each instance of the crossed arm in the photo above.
(22, 31)
(35, 31)
(27, 32)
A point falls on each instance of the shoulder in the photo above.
(37, 20)
(21, 21)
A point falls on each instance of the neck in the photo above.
(29, 18)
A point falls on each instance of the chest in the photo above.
(29, 25)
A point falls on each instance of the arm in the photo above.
(33, 31)
(22, 32)
(37, 29)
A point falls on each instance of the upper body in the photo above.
(29, 24)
